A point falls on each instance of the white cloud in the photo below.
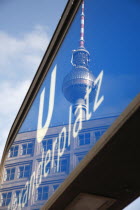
(11, 97)
(37, 39)
(22, 54)
(19, 59)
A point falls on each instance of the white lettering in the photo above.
(61, 148)
(41, 131)
(25, 196)
(53, 151)
(69, 131)
(47, 161)
(98, 102)
(78, 121)
(88, 115)
(39, 172)
(32, 187)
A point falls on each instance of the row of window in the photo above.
(63, 167)
(27, 149)
(83, 139)
(24, 171)
(47, 144)
(18, 197)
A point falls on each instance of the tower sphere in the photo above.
(75, 84)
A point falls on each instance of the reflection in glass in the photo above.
(6, 198)
(42, 193)
(84, 139)
(13, 152)
(47, 144)
(24, 171)
(76, 103)
(27, 148)
(9, 174)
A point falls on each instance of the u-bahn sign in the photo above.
(86, 79)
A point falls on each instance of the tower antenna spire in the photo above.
(80, 78)
(82, 41)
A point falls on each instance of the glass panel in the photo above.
(9, 174)
(97, 135)
(21, 172)
(13, 151)
(45, 193)
(89, 84)
(24, 149)
(27, 171)
(16, 151)
(6, 198)
(55, 187)
(47, 169)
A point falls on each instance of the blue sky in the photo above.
(26, 28)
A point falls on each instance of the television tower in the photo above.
(80, 78)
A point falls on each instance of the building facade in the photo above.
(26, 154)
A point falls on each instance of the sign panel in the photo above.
(94, 76)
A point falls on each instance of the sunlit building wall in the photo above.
(26, 154)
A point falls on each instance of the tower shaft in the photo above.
(82, 41)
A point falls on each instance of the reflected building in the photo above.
(31, 175)
(25, 163)
(25, 155)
